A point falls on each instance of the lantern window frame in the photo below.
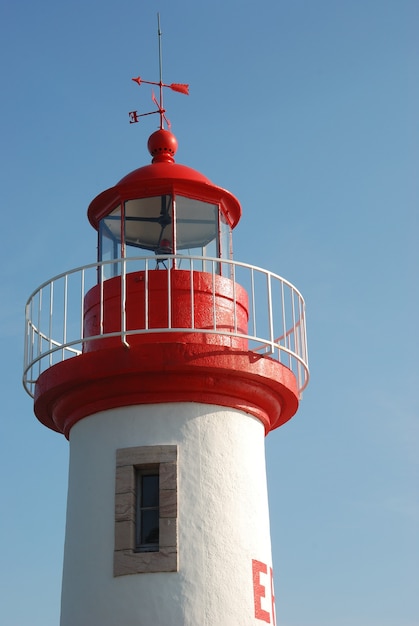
(223, 229)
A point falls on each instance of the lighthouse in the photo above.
(165, 364)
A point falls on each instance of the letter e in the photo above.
(259, 591)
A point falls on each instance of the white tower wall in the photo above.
(223, 520)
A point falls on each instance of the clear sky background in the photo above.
(306, 110)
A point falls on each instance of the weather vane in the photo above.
(180, 88)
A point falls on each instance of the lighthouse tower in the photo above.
(165, 364)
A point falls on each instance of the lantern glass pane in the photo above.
(226, 246)
(196, 227)
(110, 241)
(148, 226)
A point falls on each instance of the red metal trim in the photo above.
(103, 304)
(165, 372)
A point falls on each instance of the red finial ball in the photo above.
(162, 145)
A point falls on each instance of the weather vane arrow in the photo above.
(179, 87)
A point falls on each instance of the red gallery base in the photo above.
(161, 366)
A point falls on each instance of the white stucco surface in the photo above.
(223, 519)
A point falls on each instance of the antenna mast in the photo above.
(161, 73)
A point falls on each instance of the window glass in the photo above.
(196, 226)
(226, 251)
(197, 230)
(148, 510)
(110, 242)
(148, 226)
(150, 490)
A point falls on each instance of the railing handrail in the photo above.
(157, 257)
(42, 348)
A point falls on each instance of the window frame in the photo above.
(127, 558)
(141, 508)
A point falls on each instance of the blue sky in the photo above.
(308, 112)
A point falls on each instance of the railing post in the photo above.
(124, 303)
(38, 331)
(295, 333)
(214, 308)
(234, 298)
(303, 321)
(191, 270)
(26, 357)
(270, 317)
(253, 299)
(51, 305)
(146, 296)
(101, 301)
(169, 297)
(65, 304)
(82, 304)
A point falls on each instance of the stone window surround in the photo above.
(126, 559)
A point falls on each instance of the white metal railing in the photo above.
(55, 312)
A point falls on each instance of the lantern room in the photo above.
(164, 208)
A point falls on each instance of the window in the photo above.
(110, 242)
(196, 227)
(148, 226)
(146, 510)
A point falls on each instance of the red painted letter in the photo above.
(273, 598)
(259, 590)
(133, 117)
